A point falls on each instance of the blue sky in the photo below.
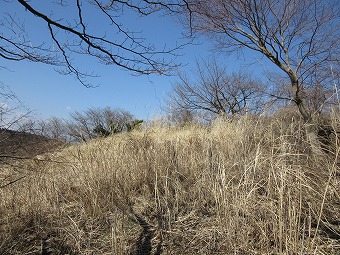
(48, 93)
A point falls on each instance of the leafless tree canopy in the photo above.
(72, 31)
(54, 128)
(301, 37)
(82, 125)
(13, 114)
(214, 90)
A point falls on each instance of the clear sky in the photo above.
(48, 93)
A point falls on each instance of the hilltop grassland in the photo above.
(247, 187)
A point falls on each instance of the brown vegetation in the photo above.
(247, 187)
(15, 144)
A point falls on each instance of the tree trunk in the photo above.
(311, 128)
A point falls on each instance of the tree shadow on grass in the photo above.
(144, 242)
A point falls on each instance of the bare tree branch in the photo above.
(299, 37)
(216, 91)
(76, 36)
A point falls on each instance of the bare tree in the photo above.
(214, 90)
(13, 114)
(180, 116)
(72, 32)
(96, 122)
(299, 37)
(54, 128)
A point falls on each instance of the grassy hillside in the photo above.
(14, 144)
(248, 187)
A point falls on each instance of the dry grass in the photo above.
(248, 187)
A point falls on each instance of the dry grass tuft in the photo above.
(247, 187)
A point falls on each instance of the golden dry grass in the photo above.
(248, 187)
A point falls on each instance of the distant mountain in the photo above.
(15, 144)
